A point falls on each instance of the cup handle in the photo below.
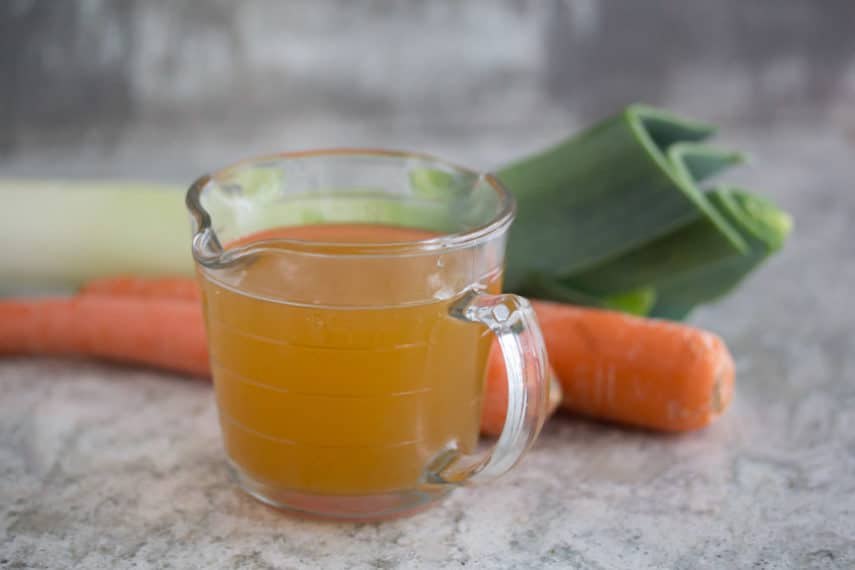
(512, 319)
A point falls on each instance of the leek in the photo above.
(56, 235)
(622, 209)
(618, 217)
(687, 267)
(616, 187)
(762, 225)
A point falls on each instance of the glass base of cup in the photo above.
(362, 508)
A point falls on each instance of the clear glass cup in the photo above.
(351, 298)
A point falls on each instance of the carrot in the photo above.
(643, 372)
(653, 374)
(495, 403)
(142, 287)
(164, 333)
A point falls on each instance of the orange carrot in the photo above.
(649, 373)
(495, 404)
(142, 287)
(643, 372)
(164, 333)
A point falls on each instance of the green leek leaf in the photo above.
(636, 302)
(762, 225)
(685, 268)
(608, 191)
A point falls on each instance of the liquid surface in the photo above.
(342, 400)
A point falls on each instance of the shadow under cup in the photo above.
(347, 378)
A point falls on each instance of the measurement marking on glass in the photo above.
(292, 442)
(221, 324)
(247, 380)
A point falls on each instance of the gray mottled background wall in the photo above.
(164, 89)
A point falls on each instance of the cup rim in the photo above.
(208, 250)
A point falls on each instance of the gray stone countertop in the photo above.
(110, 467)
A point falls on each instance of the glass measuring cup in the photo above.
(351, 298)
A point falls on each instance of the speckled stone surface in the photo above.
(109, 467)
(104, 467)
